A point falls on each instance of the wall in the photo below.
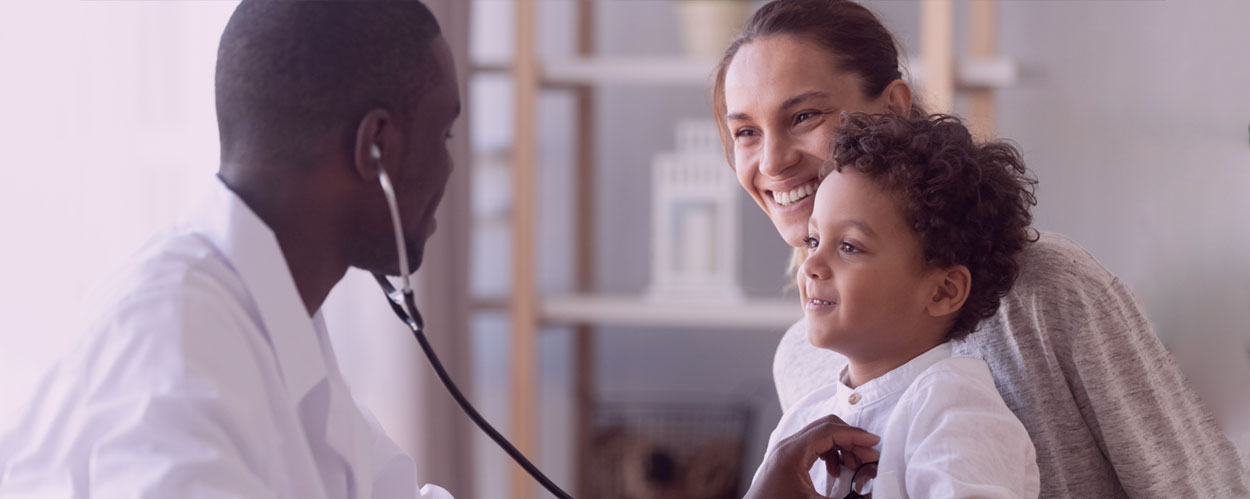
(108, 131)
(1134, 116)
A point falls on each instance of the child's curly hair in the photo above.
(968, 202)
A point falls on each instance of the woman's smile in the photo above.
(788, 197)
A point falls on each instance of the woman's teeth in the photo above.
(820, 302)
(794, 195)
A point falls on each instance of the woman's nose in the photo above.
(779, 155)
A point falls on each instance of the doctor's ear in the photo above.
(376, 136)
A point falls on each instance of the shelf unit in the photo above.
(628, 310)
(624, 71)
(529, 310)
(633, 310)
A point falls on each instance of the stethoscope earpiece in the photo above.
(401, 249)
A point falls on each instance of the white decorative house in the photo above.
(694, 217)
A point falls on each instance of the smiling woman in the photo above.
(1073, 356)
(780, 124)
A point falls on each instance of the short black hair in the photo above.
(968, 201)
(288, 72)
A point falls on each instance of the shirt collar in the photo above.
(897, 379)
(251, 248)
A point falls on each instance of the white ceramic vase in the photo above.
(710, 25)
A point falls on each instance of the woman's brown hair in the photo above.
(854, 36)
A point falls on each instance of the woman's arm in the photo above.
(1109, 410)
(799, 368)
(1154, 429)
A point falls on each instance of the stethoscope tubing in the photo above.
(405, 307)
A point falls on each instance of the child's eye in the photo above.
(849, 249)
(811, 242)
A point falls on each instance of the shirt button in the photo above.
(854, 399)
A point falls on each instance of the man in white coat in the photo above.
(206, 370)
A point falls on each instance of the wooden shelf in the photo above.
(618, 70)
(675, 71)
(633, 310)
(971, 74)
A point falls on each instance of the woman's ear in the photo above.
(950, 292)
(897, 97)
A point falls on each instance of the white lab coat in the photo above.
(201, 375)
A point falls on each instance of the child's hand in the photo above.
(829, 438)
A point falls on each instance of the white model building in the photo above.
(694, 217)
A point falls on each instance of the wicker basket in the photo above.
(668, 451)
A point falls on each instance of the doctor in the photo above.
(205, 370)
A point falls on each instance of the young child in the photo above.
(912, 243)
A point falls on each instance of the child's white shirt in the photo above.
(945, 431)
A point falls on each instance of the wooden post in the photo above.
(523, 304)
(584, 252)
(938, 53)
(982, 44)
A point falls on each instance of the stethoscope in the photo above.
(405, 307)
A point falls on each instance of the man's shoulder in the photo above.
(169, 364)
(177, 296)
(164, 325)
(175, 265)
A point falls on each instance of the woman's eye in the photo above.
(745, 132)
(804, 116)
(810, 242)
(849, 249)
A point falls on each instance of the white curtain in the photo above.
(107, 132)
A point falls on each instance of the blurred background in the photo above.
(546, 301)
